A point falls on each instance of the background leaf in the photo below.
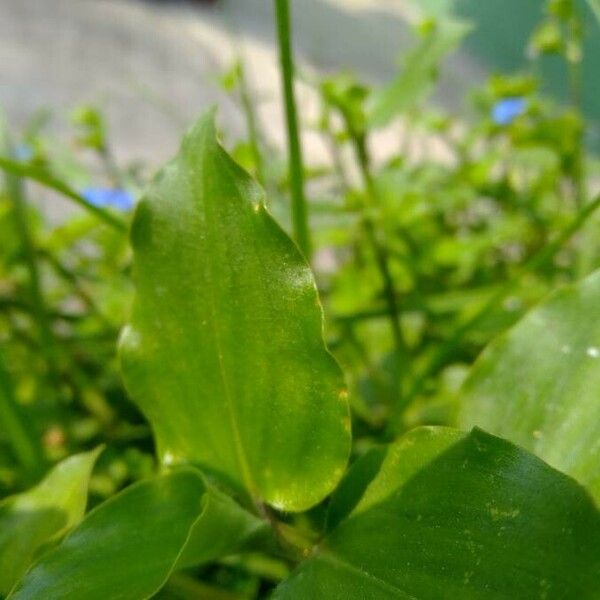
(417, 77)
(224, 352)
(538, 385)
(133, 541)
(595, 6)
(454, 515)
(31, 519)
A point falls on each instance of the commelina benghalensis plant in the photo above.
(224, 354)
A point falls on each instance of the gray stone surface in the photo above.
(152, 64)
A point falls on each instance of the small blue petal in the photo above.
(506, 111)
(109, 197)
(23, 152)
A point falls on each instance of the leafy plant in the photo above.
(453, 278)
(225, 323)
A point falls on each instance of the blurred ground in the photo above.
(152, 65)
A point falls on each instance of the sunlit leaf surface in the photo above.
(30, 520)
(224, 352)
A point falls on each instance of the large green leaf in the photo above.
(128, 546)
(454, 515)
(225, 353)
(30, 520)
(539, 384)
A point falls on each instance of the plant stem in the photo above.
(334, 151)
(379, 250)
(580, 193)
(299, 208)
(26, 446)
(47, 342)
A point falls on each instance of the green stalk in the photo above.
(379, 250)
(299, 208)
(586, 252)
(181, 586)
(252, 125)
(26, 171)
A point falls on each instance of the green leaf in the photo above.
(455, 515)
(595, 6)
(28, 521)
(224, 353)
(133, 541)
(419, 73)
(538, 385)
(353, 485)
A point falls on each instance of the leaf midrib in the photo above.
(240, 452)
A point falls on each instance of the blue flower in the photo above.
(109, 197)
(23, 152)
(505, 111)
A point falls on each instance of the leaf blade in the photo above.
(537, 385)
(454, 515)
(33, 518)
(128, 546)
(225, 351)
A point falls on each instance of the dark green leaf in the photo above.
(128, 546)
(539, 384)
(595, 6)
(224, 352)
(454, 515)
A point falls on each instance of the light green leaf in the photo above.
(28, 521)
(419, 72)
(454, 515)
(127, 547)
(595, 6)
(225, 353)
(539, 384)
